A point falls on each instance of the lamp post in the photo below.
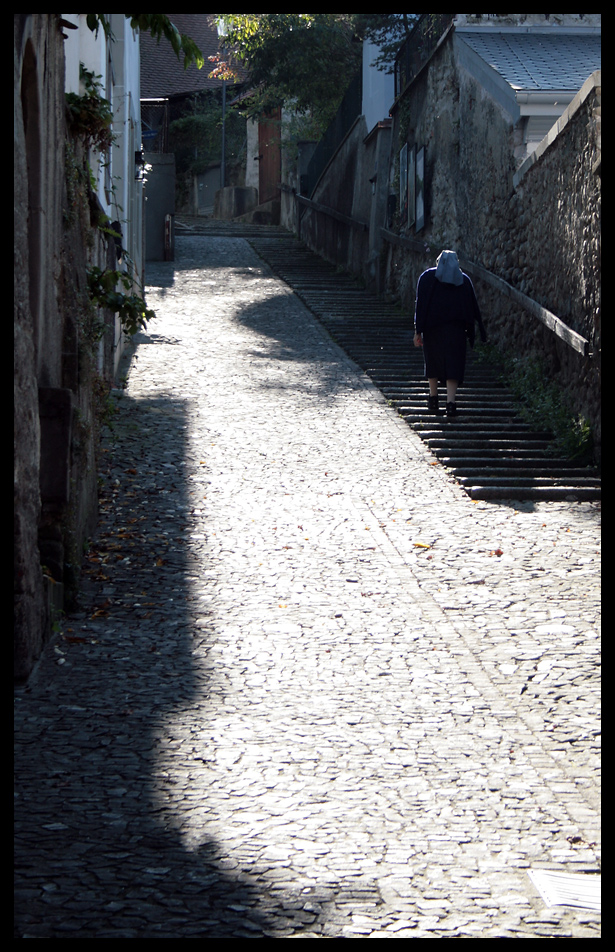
(222, 32)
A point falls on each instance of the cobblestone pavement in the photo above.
(314, 690)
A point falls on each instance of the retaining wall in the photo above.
(537, 228)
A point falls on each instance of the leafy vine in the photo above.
(131, 308)
(90, 116)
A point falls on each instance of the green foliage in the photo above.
(159, 26)
(90, 116)
(543, 404)
(196, 137)
(131, 309)
(386, 30)
(304, 58)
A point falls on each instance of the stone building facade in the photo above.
(38, 193)
(65, 349)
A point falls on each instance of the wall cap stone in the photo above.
(591, 83)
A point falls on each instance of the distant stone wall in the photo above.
(341, 189)
(351, 198)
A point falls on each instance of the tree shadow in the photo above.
(282, 336)
(198, 252)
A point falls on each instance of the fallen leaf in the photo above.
(421, 545)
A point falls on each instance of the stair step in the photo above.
(562, 481)
(503, 473)
(487, 446)
(417, 415)
(550, 493)
(428, 430)
(480, 462)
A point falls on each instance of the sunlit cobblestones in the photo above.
(313, 689)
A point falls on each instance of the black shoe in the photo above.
(432, 404)
(451, 409)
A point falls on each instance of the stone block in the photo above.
(233, 201)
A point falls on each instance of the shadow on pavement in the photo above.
(99, 845)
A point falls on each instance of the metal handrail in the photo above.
(333, 213)
(550, 320)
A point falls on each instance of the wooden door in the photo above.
(270, 157)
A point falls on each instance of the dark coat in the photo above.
(438, 304)
(446, 316)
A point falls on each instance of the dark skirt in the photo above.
(444, 350)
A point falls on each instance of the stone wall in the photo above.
(538, 231)
(340, 189)
(552, 249)
(38, 92)
(56, 341)
(468, 169)
(351, 197)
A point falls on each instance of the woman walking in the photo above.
(446, 314)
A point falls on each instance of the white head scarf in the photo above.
(447, 268)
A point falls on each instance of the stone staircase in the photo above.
(236, 228)
(489, 449)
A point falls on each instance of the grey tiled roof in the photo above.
(163, 74)
(538, 60)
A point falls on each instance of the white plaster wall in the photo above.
(119, 193)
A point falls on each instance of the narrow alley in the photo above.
(313, 689)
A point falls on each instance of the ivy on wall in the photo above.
(90, 119)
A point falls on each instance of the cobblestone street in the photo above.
(313, 690)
